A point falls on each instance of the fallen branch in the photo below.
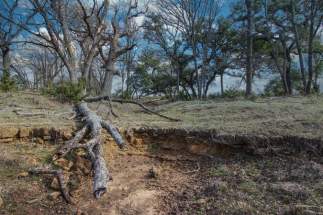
(165, 158)
(28, 114)
(60, 178)
(99, 98)
(92, 126)
(111, 108)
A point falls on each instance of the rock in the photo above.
(47, 138)
(74, 182)
(39, 141)
(285, 190)
(54, 195)
(40, 132)
(23, 132)
(152, 173)
(82, 164)
(214, 186)
(129, 136)
(121, 130)
(9, 132)
(66, 135)
(22, 174)
(32, 161)
(138, 141)
(1, 202)
(78, 212)
(63, 163)
(110, 139)
(33, 201)
(201, 201)
(6, 140)
(55, 185)
(200, 149)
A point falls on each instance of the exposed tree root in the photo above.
(93, 125)
(99, 98)
(60, 178)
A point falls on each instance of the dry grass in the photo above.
(54, 112)
(275, 116)
(270, 116)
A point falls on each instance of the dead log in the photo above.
(99, 98)
(93, 125)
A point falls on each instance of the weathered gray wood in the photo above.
(114, 133)
(68, 146)
(93, 124)
(101, 173)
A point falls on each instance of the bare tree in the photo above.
(249, 68)
(9, 31)
(65, 24)
(46, 66)
(195, 20)
(123, 26)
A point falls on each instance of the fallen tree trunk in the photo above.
(93, 124)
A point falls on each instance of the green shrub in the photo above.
(182, 95)
(7, 83)
(274, 88)
(124, 95)
(233, 93)
(67, 91)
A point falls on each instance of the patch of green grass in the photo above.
(252, 170)
(153, 147)
(249, 187)
(220, 171)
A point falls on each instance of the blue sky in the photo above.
(225, 10)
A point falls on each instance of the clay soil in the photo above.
(149, 179)
(158, 175)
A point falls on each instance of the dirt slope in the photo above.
(165, 169)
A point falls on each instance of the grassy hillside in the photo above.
(301, 116)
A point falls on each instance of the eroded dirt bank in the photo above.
(169, 171)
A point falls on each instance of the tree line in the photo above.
(173, 48)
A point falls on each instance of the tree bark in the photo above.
(298, 46)
(249, 68)
(221, 83)
(310, 49)
(6, 62)
(93, 124)
(108, 79)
